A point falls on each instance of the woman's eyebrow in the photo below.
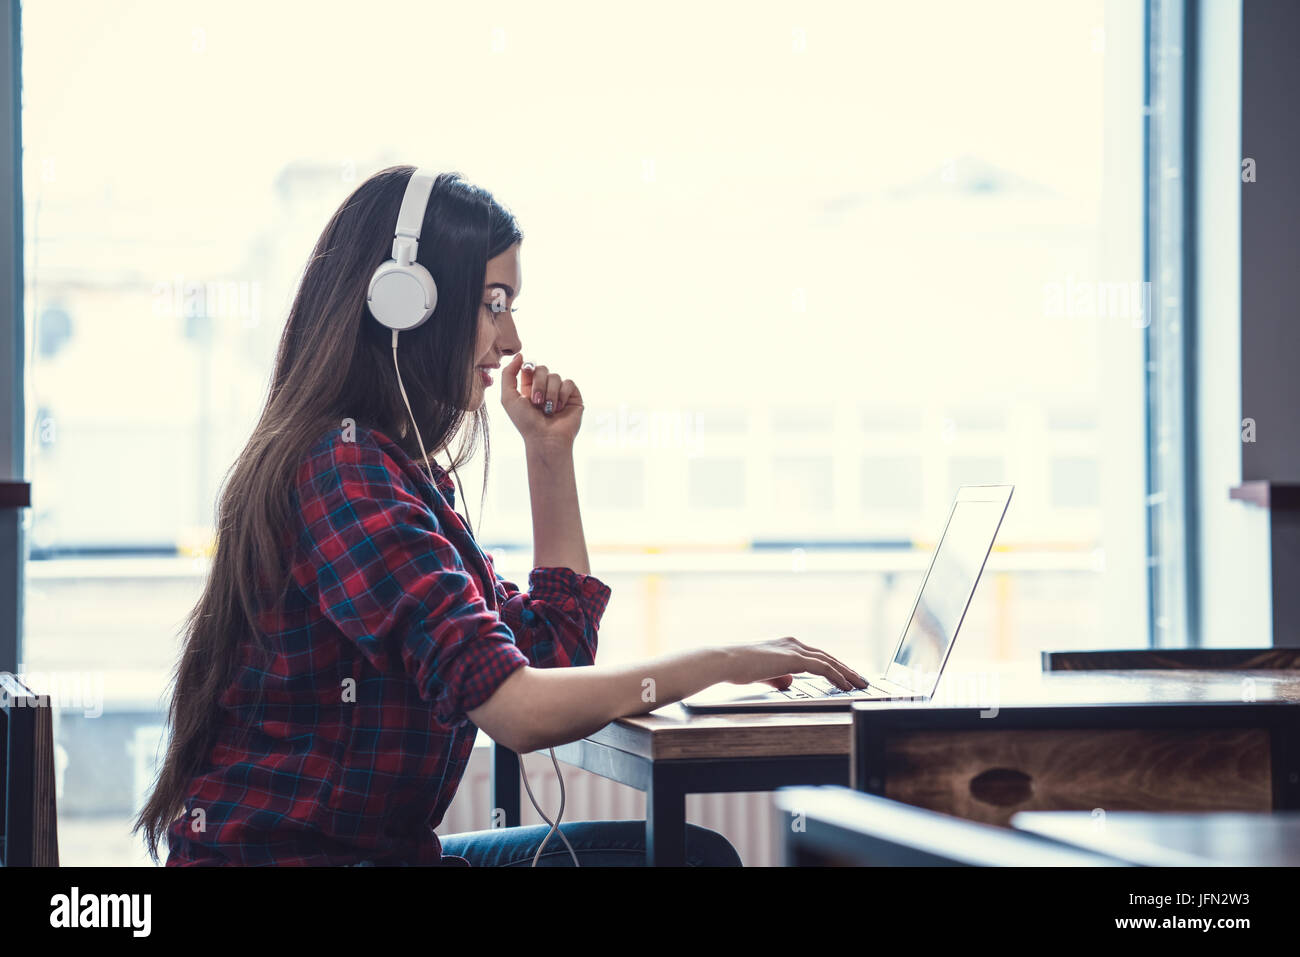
(510, 290)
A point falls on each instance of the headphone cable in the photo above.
(424, 456)
(555, 827)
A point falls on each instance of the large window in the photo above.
(814, 265)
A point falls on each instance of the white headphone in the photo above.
(402, 294)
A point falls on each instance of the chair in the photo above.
(837, 826)
(30, 835)
(1213, 659)
(504, 787)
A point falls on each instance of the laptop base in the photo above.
(719, 699)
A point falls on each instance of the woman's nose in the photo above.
(508, 337)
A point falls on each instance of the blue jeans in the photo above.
(597, 844)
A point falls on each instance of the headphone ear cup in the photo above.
(401, 297)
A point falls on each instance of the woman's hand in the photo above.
(777, 661)
(526, 399)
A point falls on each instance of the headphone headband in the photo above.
(410, 218)
(402, 294)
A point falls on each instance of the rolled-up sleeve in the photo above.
(393, 584)
(555, 623)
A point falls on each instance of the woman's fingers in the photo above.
(545, 389)
(510, 376)
(840, 675)
(818, 653)
(840, 666)
(836, 674)
(537, 387)
(551, 394)
(540, 387)
(526, 381)
(569, 395)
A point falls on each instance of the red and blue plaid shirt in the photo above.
(349, 742)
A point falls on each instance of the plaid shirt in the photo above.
(394, 626)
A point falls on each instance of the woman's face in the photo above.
(496, 325)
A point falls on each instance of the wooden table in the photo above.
(1245, 745)
(1146, 740)
(670, 753)
(1224, 839)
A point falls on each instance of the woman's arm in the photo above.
(541, 707)
(548, 437)
(371, 553)
(558, 540)
(556, 622)
(538, 708)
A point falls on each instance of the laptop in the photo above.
(927, 640)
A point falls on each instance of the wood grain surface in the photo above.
(989, 775)
(671, 732)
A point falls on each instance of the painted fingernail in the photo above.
(550, 406)
(537, 398)
(528, 366)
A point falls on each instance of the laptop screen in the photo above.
(945, 593)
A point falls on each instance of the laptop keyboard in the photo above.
(820, 688)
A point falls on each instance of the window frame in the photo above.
(15, 492)
(1169, 351)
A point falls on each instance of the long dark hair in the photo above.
(334, 362)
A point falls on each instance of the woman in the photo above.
(352, 637)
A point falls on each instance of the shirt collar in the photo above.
(441, 479)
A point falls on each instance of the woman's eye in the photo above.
(495, 309)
